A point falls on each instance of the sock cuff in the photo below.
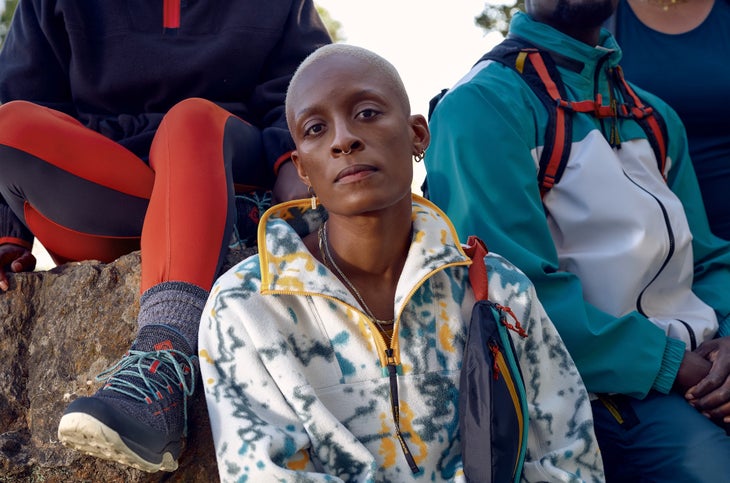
(176, 290)
(177, 305)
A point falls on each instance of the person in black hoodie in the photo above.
(132, 124)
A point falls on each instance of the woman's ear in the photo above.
(298, 165)
(421, 133)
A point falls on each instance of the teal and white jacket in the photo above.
(294, 370)
(623, 261)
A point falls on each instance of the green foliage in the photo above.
(497, 17)
(6, 17)
(333, 26)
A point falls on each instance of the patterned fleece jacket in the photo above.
(294, 370)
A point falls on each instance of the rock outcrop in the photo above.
(58, 330)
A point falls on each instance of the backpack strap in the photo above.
(538, 72)
(435, 100)
(646, 116)
(476, 249)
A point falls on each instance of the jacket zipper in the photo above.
(670, 253)
(392, 368)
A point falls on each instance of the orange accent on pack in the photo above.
(644, 113)
(553, 165)
(517, 327)
(495, 356)
(165, 345)
(515, 53)
(477, 250)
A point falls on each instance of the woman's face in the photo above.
(338, 106)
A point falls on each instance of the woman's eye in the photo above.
(313, 130)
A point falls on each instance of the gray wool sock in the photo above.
(177, 305)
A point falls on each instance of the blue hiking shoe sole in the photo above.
(86, 426)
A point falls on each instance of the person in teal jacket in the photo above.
(335, 353)
(620, 253)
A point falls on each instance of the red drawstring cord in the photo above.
(494, 349)
(517, 327)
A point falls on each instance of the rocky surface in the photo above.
(58, 330)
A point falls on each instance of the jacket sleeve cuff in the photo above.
(12, 229)
(16, 241)
(673, 354)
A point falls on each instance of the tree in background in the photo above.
(6, 17)
(333, 26)
(497, 17)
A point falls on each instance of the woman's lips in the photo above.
(354, 173)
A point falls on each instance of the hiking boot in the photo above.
(139, 417)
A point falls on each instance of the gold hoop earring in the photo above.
(418, 157)
(313, 197)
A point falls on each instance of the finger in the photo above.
(24, 263)
(703, 388)
(717, 376)
(720, 413)
(715, 403)
(3, 280)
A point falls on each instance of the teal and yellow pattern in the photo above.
(294, 370)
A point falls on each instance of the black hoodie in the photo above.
(119, 65)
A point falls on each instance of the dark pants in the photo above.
(661, 439)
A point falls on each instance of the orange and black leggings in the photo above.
(87, 197)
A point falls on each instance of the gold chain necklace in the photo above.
(665, 4)
(329, 261)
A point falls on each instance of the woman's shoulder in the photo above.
(505, 276)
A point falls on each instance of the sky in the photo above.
(432, 43)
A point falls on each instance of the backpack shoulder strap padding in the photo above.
(541, 74)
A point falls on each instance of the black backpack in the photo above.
(538, 69)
